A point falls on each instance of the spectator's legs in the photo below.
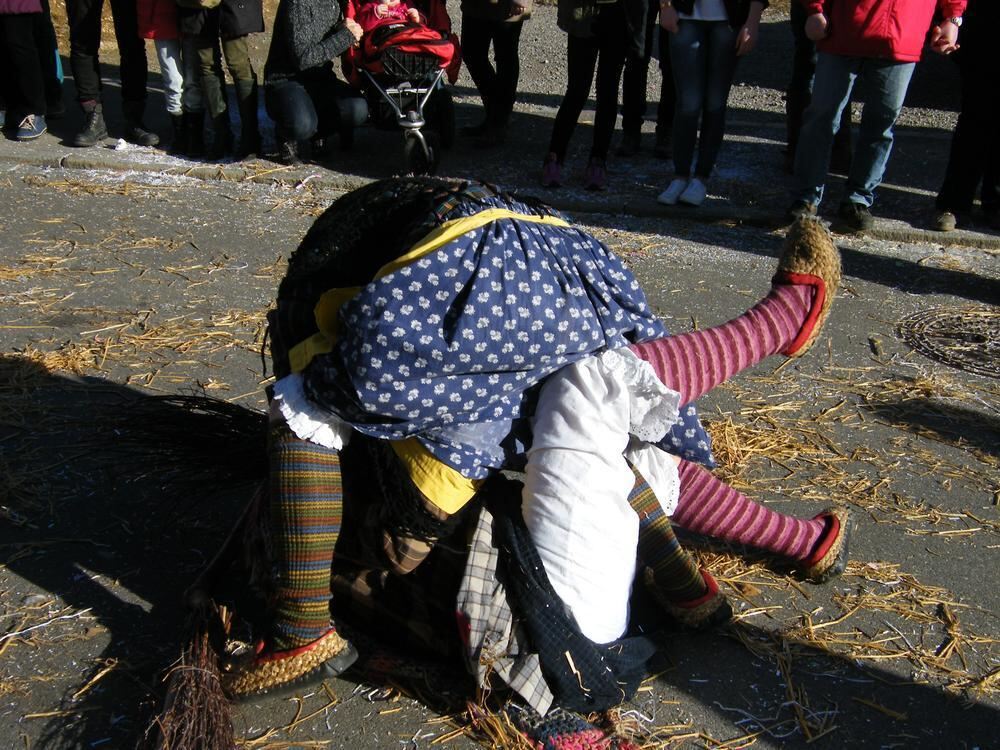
(687, 60)
(668, 100)
(477, 34)
(969, 143)
(581, 59)
(132, 51)
(26, 87)
(611, 35)
(292, 109)
(835, 76)
(168, 52)
(84, 19)
(192, 100)
(634, 80)
(799, 90)
(340, 107)
(883, 89)
(506, 41)
(237, 56)
(45, 41)
(720, 61)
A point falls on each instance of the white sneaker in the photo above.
(669, 196)
(694, 193)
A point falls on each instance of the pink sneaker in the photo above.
(597, 175)
(551, 176)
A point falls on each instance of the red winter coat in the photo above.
(884, 29)
(157, 19)
(15, 7)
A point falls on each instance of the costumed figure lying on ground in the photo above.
(430, 333)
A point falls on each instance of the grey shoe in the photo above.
(945, 221)
(854, 217)
(94, 129)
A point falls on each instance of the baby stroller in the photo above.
(401, 67)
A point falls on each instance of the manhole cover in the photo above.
(964, 337)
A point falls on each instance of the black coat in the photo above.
(233, 18)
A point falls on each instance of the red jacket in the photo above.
(884, 29)
(157, 19)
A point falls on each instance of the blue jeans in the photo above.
(882, 87)
(703, 59)
(315, 102)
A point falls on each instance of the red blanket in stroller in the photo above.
(404, 49)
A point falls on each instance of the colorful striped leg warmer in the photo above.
(709, 506)
(306, 513)
(677, 576)
(694, 363)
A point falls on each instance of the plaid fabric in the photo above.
(494, 642)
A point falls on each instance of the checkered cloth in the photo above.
(494, 642)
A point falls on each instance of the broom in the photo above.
(196, 713)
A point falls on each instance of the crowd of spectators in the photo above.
(864, 48)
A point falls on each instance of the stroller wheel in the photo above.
(421, 152)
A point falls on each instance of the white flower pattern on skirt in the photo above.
(451, 347)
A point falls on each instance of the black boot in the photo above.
(178, 143)
(222, 138)
(135, 130)
(194, 134)
(94, 128)
(246, 93)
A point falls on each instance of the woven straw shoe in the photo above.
(277, 672)
(829, 559)
(704, 613)
(809, 257)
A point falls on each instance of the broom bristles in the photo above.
(196, 714)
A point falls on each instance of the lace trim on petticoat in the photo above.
(304, 419)
(653, 407)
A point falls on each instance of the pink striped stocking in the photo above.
(709, 506)
(694, 363)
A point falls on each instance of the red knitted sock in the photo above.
(709, 506)
(694, 363)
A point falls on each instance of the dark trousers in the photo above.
(84, 18)
(313, 103)
(634, 80)
(29, 81)
(496, 81)
(975, 149)
(23, 83)
(605, 52)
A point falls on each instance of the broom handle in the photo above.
(199, 593)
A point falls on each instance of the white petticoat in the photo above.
(590, 417)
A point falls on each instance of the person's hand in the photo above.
(668, 16)
(355, 28)
(413, 14)
(944, 38)
(746, 39)
(816, 27)
(516, 10)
